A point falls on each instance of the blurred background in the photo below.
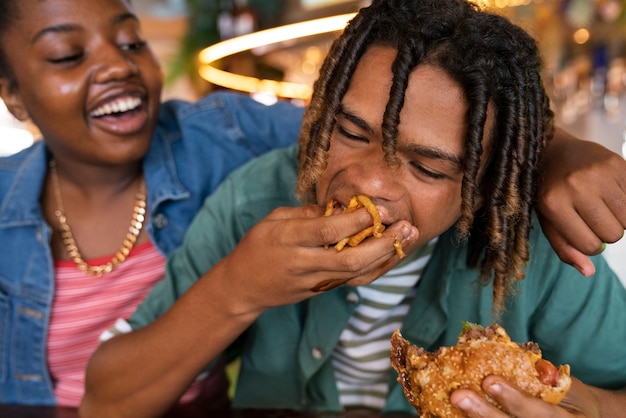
(583, 43)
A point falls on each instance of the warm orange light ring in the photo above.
(254, 85)
(262, 38)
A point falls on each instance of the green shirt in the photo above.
(286, 353)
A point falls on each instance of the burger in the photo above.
(428, 378)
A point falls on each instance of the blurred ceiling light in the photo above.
(581, 36)
(213, 53)
(318, 4)
(502, 4)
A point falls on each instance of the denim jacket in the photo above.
(194, 147)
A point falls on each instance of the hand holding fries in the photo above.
(286, 251)
(376, 230)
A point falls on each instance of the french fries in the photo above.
(376, 230)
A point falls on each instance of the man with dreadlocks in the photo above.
(436, 110)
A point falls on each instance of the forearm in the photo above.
(145, 372)
(567, 147)
(610, 403)
(125, 379)
(276, 263)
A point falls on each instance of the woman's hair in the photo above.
(497, 64)
(9, 14)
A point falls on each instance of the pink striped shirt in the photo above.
(85, 306)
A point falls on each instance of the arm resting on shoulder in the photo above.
(582, 198)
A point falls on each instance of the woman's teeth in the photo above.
(117, 106)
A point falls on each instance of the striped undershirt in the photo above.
(84, 306)
(361, 357)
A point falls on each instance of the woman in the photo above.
(90, 212)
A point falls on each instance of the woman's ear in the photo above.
(12, 99)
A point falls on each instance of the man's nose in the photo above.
(377, 178)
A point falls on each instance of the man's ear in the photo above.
(12, 99)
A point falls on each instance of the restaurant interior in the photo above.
(272, 50)
(209, 45)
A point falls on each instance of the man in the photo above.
(437, 112)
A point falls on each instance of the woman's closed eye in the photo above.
(66, 59)
(134, 46)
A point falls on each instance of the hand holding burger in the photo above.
(428, 379)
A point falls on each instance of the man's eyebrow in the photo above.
(434, 153)
(352, 117)
(69, 27)
(430, 152)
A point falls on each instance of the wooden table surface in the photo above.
(18, 411)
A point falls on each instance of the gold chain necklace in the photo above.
(136, 224)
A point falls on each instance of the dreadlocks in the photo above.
(497, 64)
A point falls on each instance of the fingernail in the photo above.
(582, 271)
(465, 403)
(495, 388)
(603, 247)
(409, 233)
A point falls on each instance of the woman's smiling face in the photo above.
(425, 189)
(85, 76)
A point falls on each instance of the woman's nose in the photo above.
(114, 64)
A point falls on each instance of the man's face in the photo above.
(425, 189)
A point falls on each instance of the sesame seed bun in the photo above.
(428, 379)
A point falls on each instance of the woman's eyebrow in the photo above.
(69, 27)
(124, 17)
(62, 28)
(353, 118)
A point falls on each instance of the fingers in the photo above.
(361, 265)
(310, 228)
(517, 403)
(303, 239)
(511, 400)
(568, 254)
(581, 226)
(604, 216)
(582, 199)
(474, 406)
(288, 212)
